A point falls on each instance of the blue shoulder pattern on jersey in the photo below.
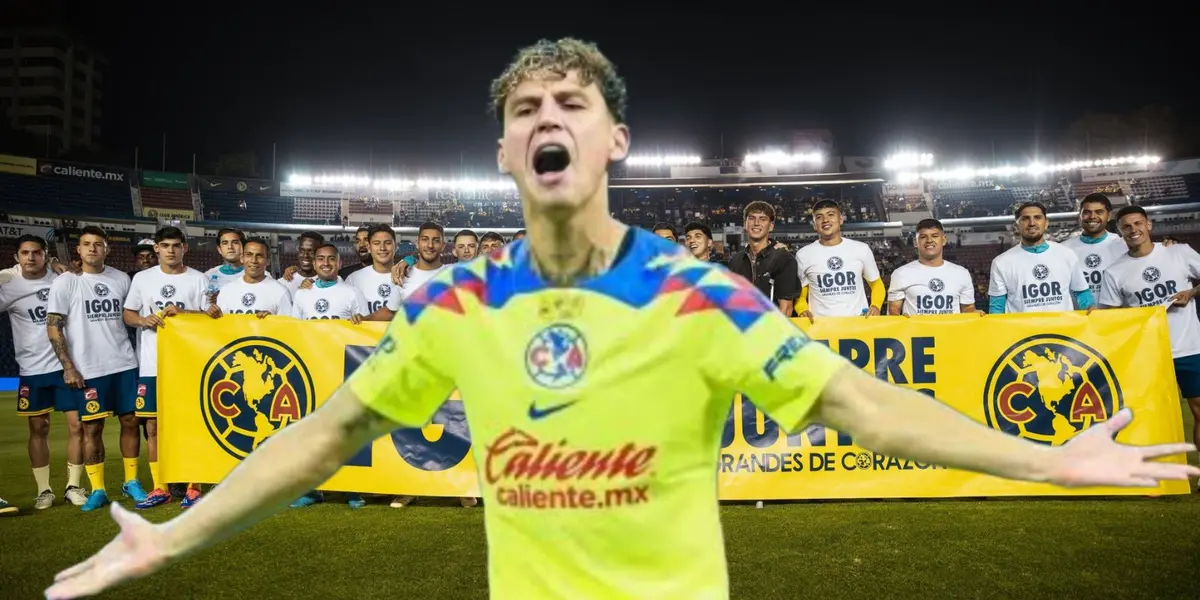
(652, 268)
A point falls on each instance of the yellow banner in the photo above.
(227, 385)
(168, 213)
(18, 165)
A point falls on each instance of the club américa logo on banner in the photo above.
(251, 389)
(1048, 388)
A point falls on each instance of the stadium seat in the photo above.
(42, 195)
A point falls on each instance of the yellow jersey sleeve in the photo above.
(776, 365)
(405, 379)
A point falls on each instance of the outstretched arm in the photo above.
(290, 463)
(899, 422)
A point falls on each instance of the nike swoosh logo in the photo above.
(263, 189)
(214, 183)
(536, 413)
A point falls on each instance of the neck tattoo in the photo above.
(597, 260)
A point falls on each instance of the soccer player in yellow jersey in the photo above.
(589, 318)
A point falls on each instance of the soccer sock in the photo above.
(42, 476)
(74, 474)
(96, 476)
(154, 474)
(130, 468)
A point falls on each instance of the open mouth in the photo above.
(551, 158)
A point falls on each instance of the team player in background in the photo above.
(86, 330)
(1037, 275)
(490, 242)
(255, 292)
(766, 264)
(156, 294)
(836, 271)
(930, 285)
(306, 248)
(362, 247)
(41, 389)
(428, 263)
(1095, 248)
(1151, 274)
(230, 244)
(585, 320)
(330, 298)
(699, 241)
(375, 282)
(466, 245)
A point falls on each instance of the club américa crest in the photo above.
(556, 356)
(1048, 388)
(252, 388)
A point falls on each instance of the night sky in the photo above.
(408, 88)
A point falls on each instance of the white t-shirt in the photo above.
(218, 278)
(834, 276)
(241, 298)
(338, 301)
(1149, 281)
(1095, 258)
(152, 291)
(928, 290)
(25, 301)
(416, 278)
(376, 287)
(93, 304)
(1040, 282)
(293, 286)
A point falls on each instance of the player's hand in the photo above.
(780, 246)
(214, 311)
(59, 267)
(1091, 309)
(1182, 298)
(139, 549)
(872, 312)
(807, 315)
(73, 379)
(306, 284)
(399, 272)
(1093, 458)
(289, 273)
(170, 311)
(262, 314)
(356, 319)
(1168, 242)
(151, 321)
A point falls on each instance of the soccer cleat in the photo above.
(468, 502)
(98, 499)
(190, 498)
(308, 499)
(156, 497)
(356, 501)
(133, 489)
(44, 500)
(76, 495)
(401, 501)
(5, 507)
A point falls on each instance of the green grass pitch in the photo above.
(1002, 549)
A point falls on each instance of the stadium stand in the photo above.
(1160, 190)
(231, 206)
(46, 196)
(316, 210)
(166, 199)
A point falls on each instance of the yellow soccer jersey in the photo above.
(596, 411)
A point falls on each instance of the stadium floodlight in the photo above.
(908, 160)
(299, 180)
(1035, 168)
(777, 158)
(668, 160)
